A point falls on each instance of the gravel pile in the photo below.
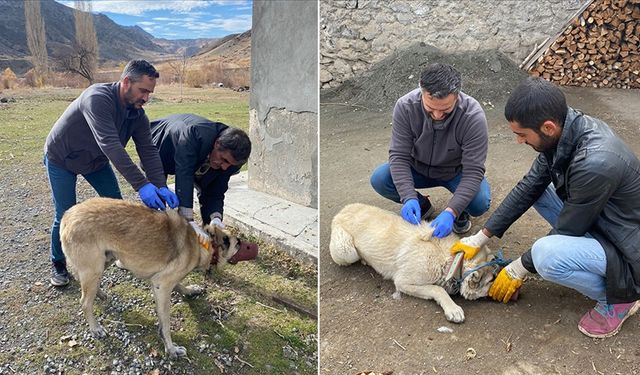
(487, 75)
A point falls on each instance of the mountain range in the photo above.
(116, 43)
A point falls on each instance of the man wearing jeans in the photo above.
(94, 131)
(439, 138)
(586, 183)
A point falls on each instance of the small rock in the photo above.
(444, 329)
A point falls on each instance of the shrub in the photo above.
(195, 78)
(34, 79)
(9, 79)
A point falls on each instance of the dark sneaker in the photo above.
(426, 208)
(59, 275)
(462, 224)
(606, 320)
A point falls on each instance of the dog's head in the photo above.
(477, 283)
(227, 248)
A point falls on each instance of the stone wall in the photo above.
(283, 118)
(354, 34)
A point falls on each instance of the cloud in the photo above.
(235, 24)
(137, 8)
(164, 19)
(146, 23)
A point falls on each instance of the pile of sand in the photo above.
(489, 76)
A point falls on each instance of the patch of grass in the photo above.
(27, 122)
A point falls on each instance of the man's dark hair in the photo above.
(535, 101)
(440, 80)
(237, 142)
(135, 69)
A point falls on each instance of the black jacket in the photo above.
(184, 142)
(597, 177)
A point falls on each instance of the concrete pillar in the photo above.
(283, 123)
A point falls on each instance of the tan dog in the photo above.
(416, 262)
(155, 245)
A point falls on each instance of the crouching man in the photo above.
(586, 183)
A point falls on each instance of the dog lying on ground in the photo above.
(159, 246)
(416, 262)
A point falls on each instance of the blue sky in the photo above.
(181, 19)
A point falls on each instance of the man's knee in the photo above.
(381, 178)
(480, 204)
(547, 257)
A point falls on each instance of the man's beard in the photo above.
(547, 143)
(130, 102)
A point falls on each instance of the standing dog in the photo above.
(156, 245)
(408, 254)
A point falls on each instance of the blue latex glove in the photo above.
(443, 224)
(168, 196)
(411, 211)
(150, 196)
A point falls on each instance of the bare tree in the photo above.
(179, 67)
(36, 40)
(83, 60)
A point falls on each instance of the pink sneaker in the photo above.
(605, 320)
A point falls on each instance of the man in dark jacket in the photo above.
(94, 131)
(201, 154)
(439, 138)
(586, 184)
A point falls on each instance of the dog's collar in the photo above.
(209, 247)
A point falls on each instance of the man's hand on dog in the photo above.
(470, 245)
(150, 196)
(410, 211)
(217, 222)
(508, 282)
(168, 196)
(443, 224)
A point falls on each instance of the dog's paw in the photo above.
(454, 314)
(397, 295)
(98, 332)
(177, 351)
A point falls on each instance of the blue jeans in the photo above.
(578, 263)
(382, 183)
(63, 192)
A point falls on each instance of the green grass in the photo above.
(26, 123)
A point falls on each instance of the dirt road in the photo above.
(364, 328)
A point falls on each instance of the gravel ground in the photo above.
(41, 328)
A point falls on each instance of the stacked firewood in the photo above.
(600, 48)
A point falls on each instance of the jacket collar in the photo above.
(571, 132)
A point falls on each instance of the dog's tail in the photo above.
(341, 247)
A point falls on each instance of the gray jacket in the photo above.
(598, 178)
(439, 152)
(95, 128)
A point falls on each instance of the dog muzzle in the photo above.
(247, 251)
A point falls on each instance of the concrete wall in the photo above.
(284, 100)
(354, 34)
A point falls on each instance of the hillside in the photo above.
(115, 42)
(232, 52)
